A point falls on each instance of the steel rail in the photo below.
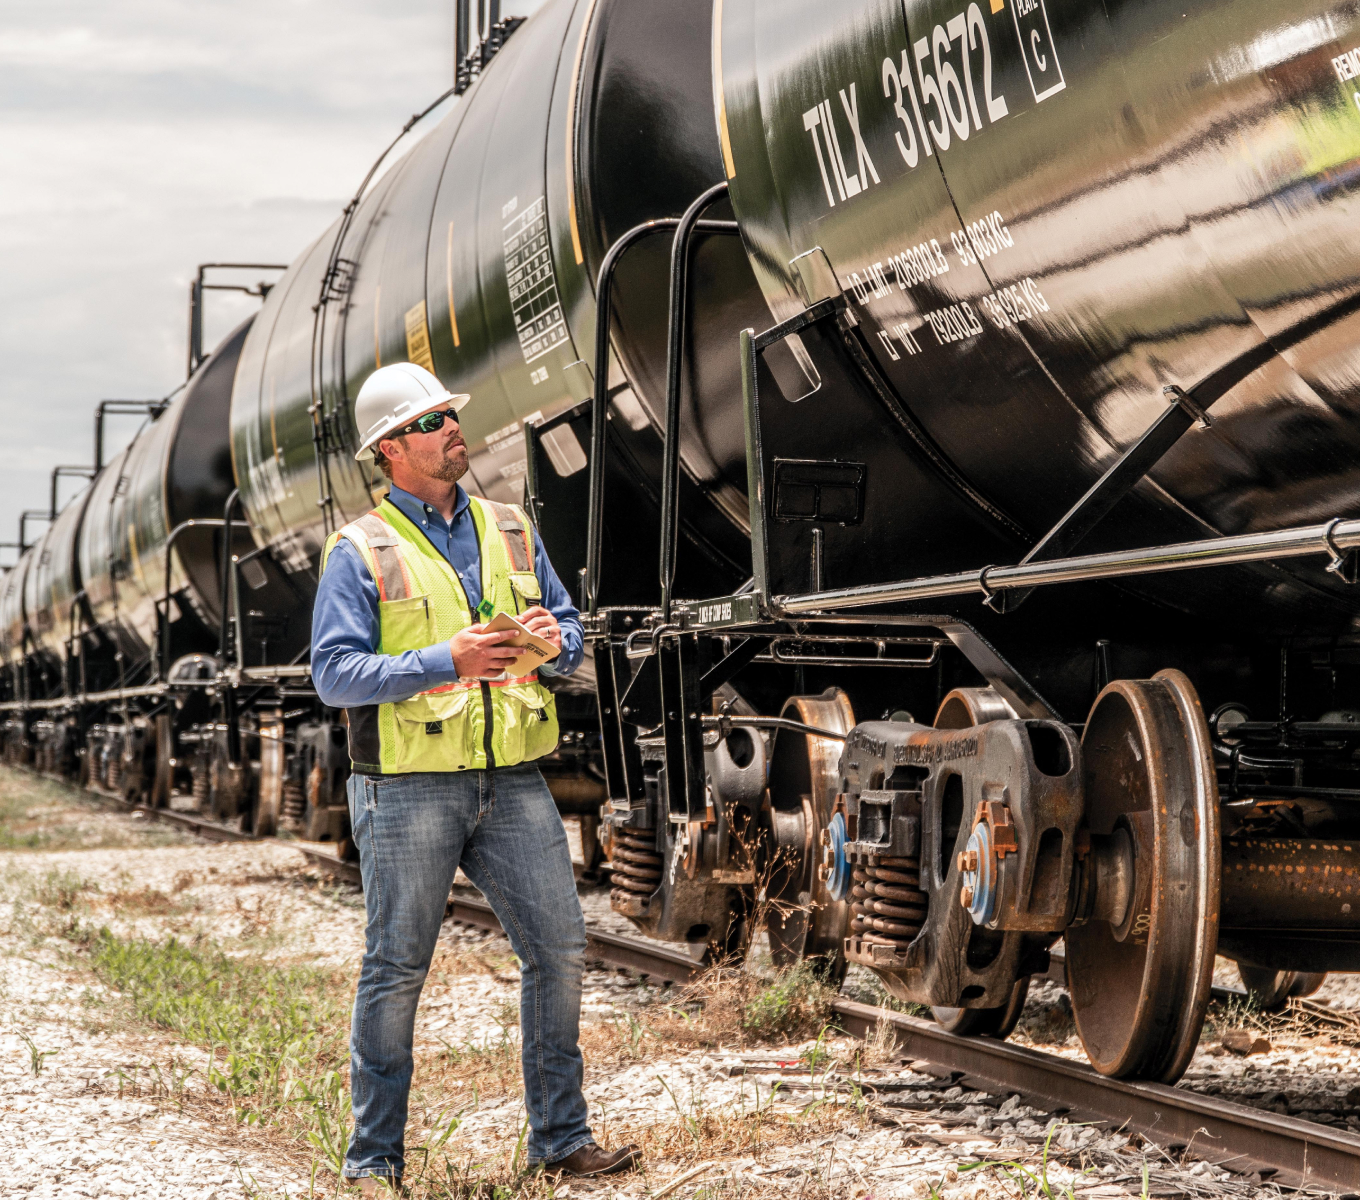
(1232, 1135)
(1336, 539)
(655, 961)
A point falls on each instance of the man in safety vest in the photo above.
(443, 746)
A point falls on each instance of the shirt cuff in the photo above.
(436, 663)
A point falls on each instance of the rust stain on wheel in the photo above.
(1140, 990)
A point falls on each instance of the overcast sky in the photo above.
(140, 138)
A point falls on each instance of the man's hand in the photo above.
(476, 652)
(538, 620)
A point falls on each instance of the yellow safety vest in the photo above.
(421, 602)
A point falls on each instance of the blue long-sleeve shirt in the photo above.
(346, 670)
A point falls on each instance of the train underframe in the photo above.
(847, 764)
(949, 854)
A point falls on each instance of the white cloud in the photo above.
(140, 138)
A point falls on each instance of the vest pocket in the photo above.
(405, 624)
(527, 723)
(434, 731)
(526, 587)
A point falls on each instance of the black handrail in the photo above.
(59, 473)
(198, 286)
(162, 669)
(600, 402)
(224, 573)
(31, 514)
(150, 408)
(675, 347)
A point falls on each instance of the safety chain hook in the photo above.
(1345, 564)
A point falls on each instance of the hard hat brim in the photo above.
(455, 400)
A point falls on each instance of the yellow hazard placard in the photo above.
(418, 338)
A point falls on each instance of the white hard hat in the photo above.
(395, 396)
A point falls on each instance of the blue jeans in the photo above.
(502, 828)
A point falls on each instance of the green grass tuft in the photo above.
(795, 1002)
(276, 1034)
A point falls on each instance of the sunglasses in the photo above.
(429, 423)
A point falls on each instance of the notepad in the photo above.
(537, 650)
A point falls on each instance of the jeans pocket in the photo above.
(362, 795)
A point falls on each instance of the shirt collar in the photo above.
(418, 511)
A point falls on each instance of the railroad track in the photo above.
(1292, 1151)
(1244, 1139)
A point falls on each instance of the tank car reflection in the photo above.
(1064, 285)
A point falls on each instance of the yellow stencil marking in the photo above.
(136, 556)
(448, 274)
(998, 5)
(377, 353)
(418, 338)
(571, 133)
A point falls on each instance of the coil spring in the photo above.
(887, 906)
(200, 792)
(294, 803)
(115, 772)
(637, 867)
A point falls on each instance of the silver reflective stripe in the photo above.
(386, 556)
(514, 535)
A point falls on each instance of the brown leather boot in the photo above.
(590, 1159)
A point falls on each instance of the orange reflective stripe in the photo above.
(450, 687)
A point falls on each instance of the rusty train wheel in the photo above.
(965, 707)
(802, 919)
(1140, 990)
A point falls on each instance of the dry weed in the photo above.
(147, 901)
(730, 1006)
(470, 1072)
(880, 1047)
(671, 1148)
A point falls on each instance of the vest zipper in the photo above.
(490, 725)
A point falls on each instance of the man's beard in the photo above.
(449, 468)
